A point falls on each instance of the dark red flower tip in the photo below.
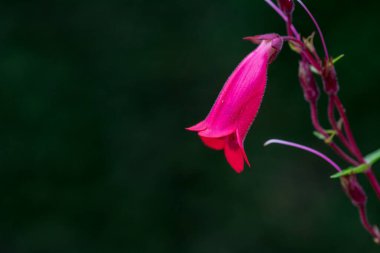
(354, 190)
(287, 6)
(307, 81)
(330, 81)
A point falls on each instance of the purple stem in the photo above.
(347, 139)
(373, 181)
(319, 128)
(347, 128)
(291, 28)
(299, 146)
(284, 17)
(304, 52)
(366, 224)
(331, 117)
(348, 142)
(317, 26)
(369, 174)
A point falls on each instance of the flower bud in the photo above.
(354, 190)
(287, 6)
(307, 81)
(330, 81)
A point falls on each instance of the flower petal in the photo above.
(240, 142)
(216, 133)
(234, 154)
(198, 127)
(214, 143)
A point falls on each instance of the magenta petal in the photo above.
(216, 133)
(240, 143)
(214, 143)
(252, 107)
(198, 127)
(233, 154)
(236, 106)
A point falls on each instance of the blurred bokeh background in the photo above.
(94, 99)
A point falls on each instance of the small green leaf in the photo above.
(373, 157)
(319, 135)
(370, 159)
(336, 59)
(351, 170)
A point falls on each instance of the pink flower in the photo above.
(233, 112)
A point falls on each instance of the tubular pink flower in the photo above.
(233, 112)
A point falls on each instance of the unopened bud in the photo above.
(287, 6)
(330, 81)
(354, 190)
(307, 81)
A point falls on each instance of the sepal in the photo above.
(275, 40)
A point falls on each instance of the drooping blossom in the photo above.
(233, 112)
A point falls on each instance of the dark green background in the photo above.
(94, 99)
